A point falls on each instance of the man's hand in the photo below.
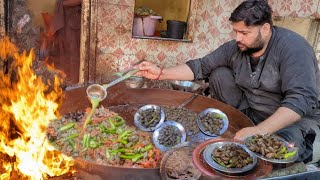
(247, 132)
(148, 70)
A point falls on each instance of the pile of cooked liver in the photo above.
(267, 145)
(232, 156)
(212, 122)
(169, 136)
(150, 117)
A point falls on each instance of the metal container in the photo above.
(214, 111)
(134, 82)
(207, 154)
(146, 107)
(187, 86)
(156, 133)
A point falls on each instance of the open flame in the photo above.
(27, 106)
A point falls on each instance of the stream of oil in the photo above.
(95, 101)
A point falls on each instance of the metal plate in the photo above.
(146, 107)
(280, 161)
(207, 155)
(215, 111)
(156, 134)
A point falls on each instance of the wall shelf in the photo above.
(162, 38)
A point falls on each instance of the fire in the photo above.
(27, 106)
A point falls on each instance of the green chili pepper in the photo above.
(85, 140)
(111, 131)
(108, 153)
(72, 136)
(72, 143)
(123, 141)
(147, 148)
(126, 156)
(111, 124)
(119, 124)
(102, 128)
(136, 158)
(124, 135)
(283, 150)
(289, 154)
(66, 127)
(94, 144)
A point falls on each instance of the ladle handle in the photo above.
(126, 76)
(188, 100)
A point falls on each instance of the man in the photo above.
(269, 73)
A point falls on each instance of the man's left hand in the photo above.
(247, 132)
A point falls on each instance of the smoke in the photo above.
(37, 7)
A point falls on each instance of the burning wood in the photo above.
(26, 110)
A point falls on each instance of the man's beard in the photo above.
(256, 46)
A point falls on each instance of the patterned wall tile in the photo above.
(126, 62)
(106, 66)
(127, 17)
(229, 5)
(307, 8)
(222, 38)
(109, 16)
(130, 45)
(286, 7)
(223, 23)
(193, 6)
(201, 6)
(108, 41)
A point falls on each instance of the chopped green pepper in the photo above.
(66, 127)
(72, 136)
(289, 154)
(108, 153)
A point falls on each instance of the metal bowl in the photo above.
(187, 86)
(96, 91)
(156, 134)
(184, 150)
(134, 82)
(278, 161)
(225, 121)
(207, 155)
(146, 107)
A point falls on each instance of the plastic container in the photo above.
(145, 26)
(176, 29)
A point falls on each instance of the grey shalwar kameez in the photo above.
(286, 75)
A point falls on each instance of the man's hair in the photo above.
(253, 13)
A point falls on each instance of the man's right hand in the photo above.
(149, 70)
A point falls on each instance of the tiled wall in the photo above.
(116, 49)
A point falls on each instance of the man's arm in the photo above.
(151, 71)
(282, 118)
(72, 2)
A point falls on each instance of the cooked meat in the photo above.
(232, 156)
(267, 145)
(169, 136)
(212, 123)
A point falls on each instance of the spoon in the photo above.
(97, 91)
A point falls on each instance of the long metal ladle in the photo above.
(97, 91)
